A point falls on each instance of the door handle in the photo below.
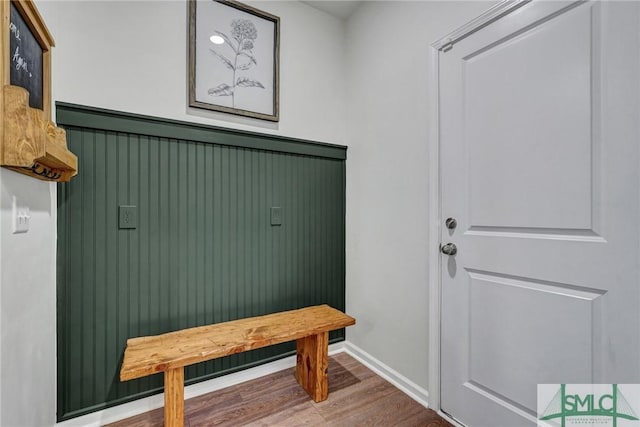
(449, 249)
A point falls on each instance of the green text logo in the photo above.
(588, 404)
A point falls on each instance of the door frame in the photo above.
(434, 197)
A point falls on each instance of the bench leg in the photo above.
(174, 397)
(312, 365)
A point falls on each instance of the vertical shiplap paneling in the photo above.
(99, 280)
(88, 215)
(140, 161)
(204, 251)
(199, 261)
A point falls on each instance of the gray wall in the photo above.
(27, 304)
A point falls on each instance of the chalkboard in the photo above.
(25, 58)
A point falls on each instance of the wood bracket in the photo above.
(30, 144)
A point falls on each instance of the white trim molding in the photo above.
(491, 15)
(407, 386)
(433, 242)
(140, 406)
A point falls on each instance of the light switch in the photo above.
(276, 215)
(21, 217)
(128, 217)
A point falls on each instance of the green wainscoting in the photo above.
(204, 250)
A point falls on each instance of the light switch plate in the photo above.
(128, 217)
(276, 215)
(21, 217)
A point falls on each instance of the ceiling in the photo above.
(339, 8)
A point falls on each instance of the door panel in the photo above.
(539, 165)
(532, 189)
(567, 310)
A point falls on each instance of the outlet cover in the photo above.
(128, 217)
(276, 216)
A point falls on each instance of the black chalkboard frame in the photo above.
(37, 29)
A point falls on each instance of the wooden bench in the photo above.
(171, 352)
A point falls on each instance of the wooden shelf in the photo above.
(31, 144)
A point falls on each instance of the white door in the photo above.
(539, 143)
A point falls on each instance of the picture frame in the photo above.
(26, 52)
(234, 55)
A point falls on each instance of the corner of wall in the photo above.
(388, 211)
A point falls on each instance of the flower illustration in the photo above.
(244, 32)
(242, 29)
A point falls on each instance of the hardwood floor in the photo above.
(357, 397)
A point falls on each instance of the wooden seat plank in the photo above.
(153, 354)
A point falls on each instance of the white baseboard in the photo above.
(410, 388)
(140, 406)
(130, 409)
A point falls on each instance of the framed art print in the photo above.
(233, 59)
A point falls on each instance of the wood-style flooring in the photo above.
(357, 397)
